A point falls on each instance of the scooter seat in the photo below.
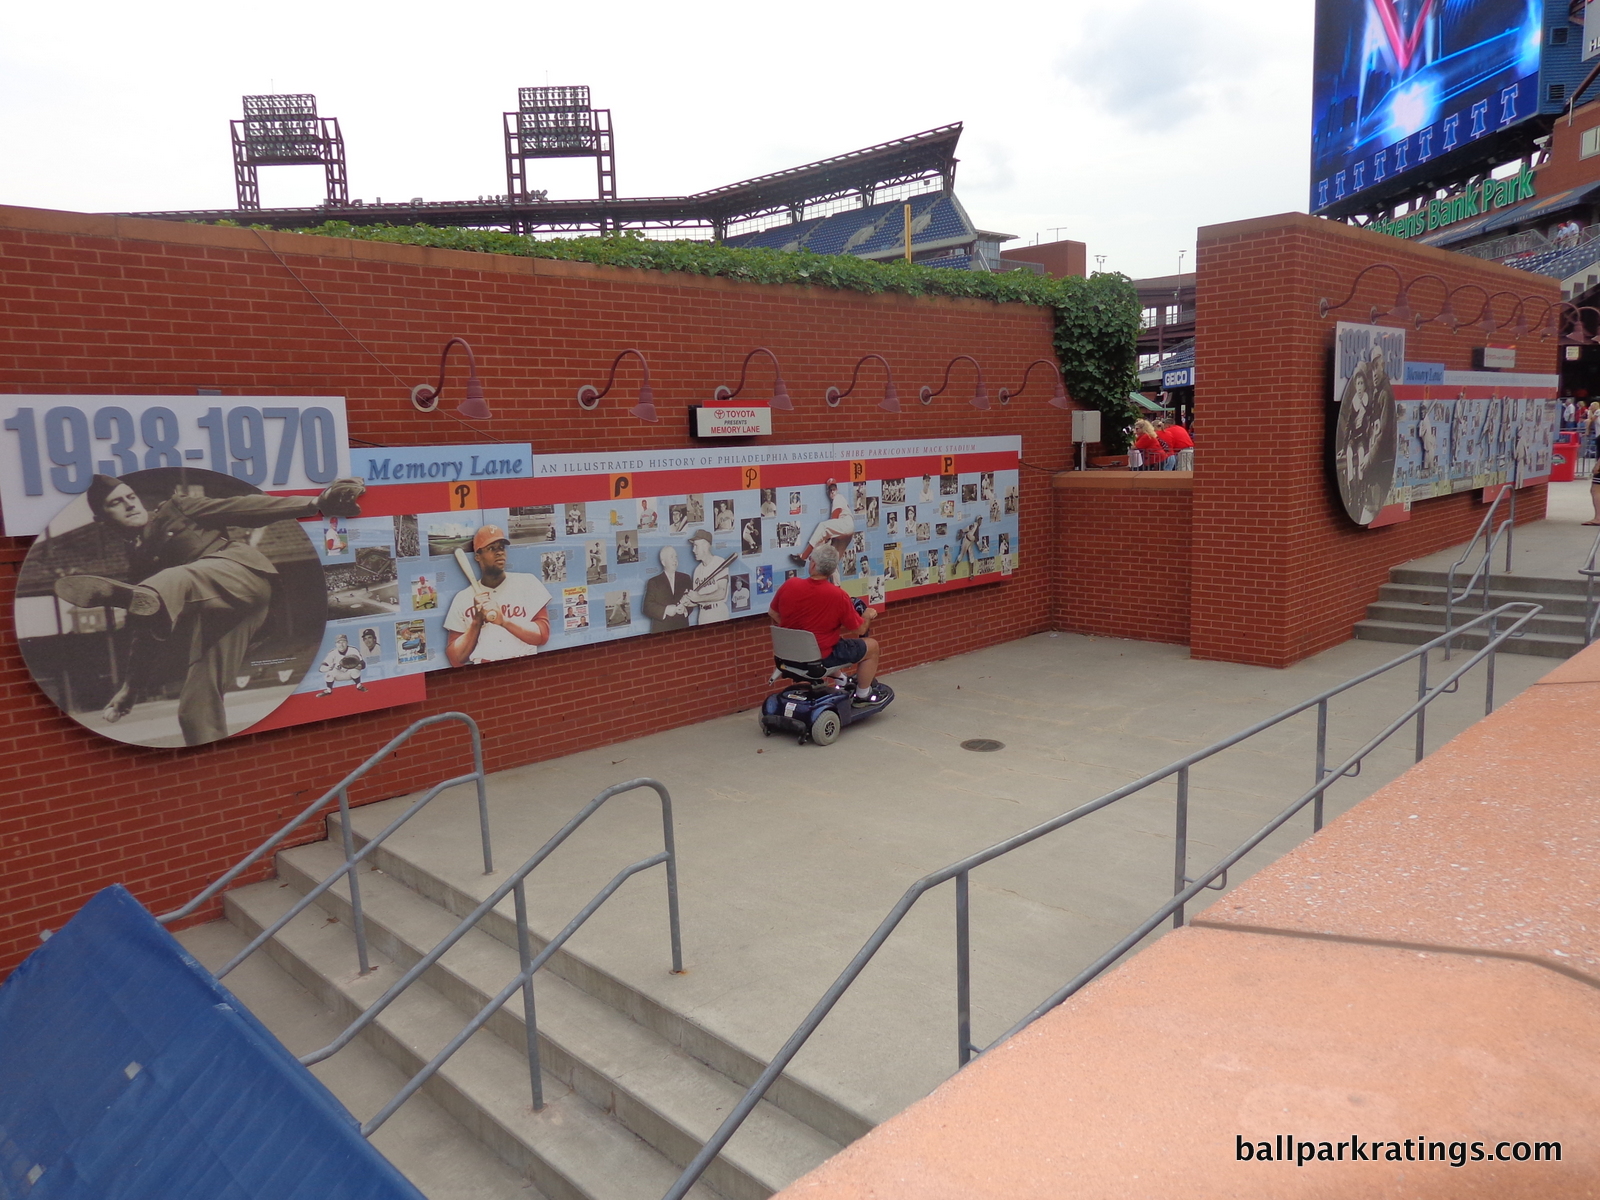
(795, 654)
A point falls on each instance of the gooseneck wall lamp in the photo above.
(1579, 334)
(891, 398)
(1517, 325)
(780, 390)
(1485, 319)
(1454, 321)
(425, 397)
(1448, 316)
(1326, 306)
(980, 394)
(1547, 317)
(1059, 397)
(1403, 310)
(589, 396)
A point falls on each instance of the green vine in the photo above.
(1096, 319)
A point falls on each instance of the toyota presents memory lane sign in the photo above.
(52, 447)
(730, 420)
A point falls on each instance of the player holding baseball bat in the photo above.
(709, 592)
(499, 614)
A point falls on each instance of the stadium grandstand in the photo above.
(942, 235)
(852, 203)
(1558, 235)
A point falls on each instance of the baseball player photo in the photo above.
(967, 547)
(840, 522)
(709, 593)
(371, 650)
(1364, 441)
(207, 574)
(342, 665)
(500, 614)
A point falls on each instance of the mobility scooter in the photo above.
(820, 700)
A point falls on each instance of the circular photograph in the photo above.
(1364, 441)
(171, 607)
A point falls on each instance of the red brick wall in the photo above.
(1124, 564)
(1567, 168)
(105, 305)
(1057, 258)
(1280, 573)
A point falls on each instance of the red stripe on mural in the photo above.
(1390, 514)
(305, 707)
(391, 500)
(929, 589)
(928, 464)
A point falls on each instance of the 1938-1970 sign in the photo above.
(53, 446)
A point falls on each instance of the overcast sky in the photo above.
(1122, 123)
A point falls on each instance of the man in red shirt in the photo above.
(820, 606)
(1175, 437)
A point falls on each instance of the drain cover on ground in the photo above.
(982, 744)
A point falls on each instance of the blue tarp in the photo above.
(127, 1072)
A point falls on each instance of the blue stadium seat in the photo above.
(775, 238)
(1560, 262)
(891, 234)
(956, 262)
(830, 236)
(946, 223)
(128, 1073)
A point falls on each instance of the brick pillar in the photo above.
(1279, 572)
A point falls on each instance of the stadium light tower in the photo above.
(557, 122)
(285, 130)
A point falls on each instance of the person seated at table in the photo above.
(1177, 439)
(1149, 445)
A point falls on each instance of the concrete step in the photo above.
(829, 1117)
(571, 1150)
(1412, 633)
(1433, 615)
(656, 1089)
(1553, 603)
(1503, 584)
(429, 1147)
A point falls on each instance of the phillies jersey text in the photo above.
(520, 598)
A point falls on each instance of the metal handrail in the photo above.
(523, 981)
(1185, 888)
(1590, 609)
(1485, 569)
(512, 886)
(341, 792)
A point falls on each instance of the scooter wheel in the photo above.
(762, 717)
(825, 727)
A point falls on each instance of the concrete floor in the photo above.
(791, 855)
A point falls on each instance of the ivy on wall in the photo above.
(1097, 319)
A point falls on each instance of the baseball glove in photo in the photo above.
(341, 498)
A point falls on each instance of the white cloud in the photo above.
(1127, 124)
